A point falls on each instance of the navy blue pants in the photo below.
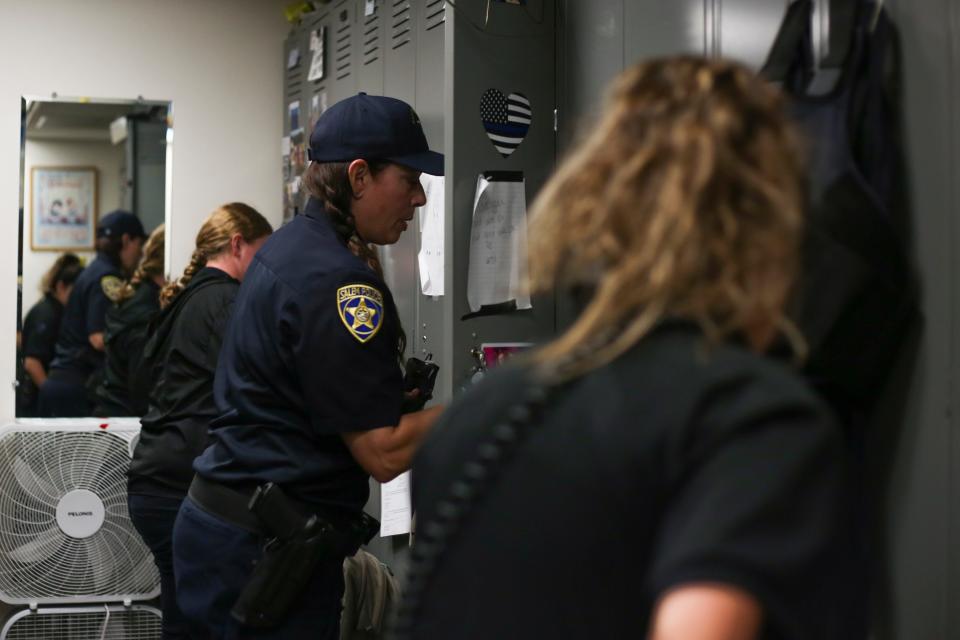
(212, 561)
(153, 516)
(60, 398)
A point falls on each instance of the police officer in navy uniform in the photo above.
(78, 361)
(309, 385)
(41, 327)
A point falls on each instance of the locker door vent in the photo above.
(294, 75)
(371, 39)
(435, 12)
(344, 52)
(401, 24)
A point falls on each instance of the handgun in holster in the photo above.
(296, 546)
(422, 375)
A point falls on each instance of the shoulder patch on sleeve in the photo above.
(111, 285)
(361, 310)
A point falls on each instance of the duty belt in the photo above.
(298, 540)
(232, 503)
(226, 502)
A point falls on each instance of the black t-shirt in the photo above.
(125, 387)
(85, 315)
(39, 339)
(311, 353)
(675, 464)
(40, 330)
(181, 357)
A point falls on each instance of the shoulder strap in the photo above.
(843, 23)
(792, 51)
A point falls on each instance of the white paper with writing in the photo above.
(317, 46)
(430, 259)
(395, 506)
(498, 245)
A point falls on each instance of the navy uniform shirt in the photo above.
(124, 389)
(311, 353)
(86, 314)
(41, 328)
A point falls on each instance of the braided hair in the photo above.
(329, 182)
(214, 238)
(151, 265)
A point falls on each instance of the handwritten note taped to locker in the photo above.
(395, 506)
(497, 269)
(430, 258)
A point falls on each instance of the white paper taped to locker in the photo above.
(430, 258)
(497, 271)
(395, 511)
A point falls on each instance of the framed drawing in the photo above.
(63, 208)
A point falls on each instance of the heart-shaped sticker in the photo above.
(506, 119)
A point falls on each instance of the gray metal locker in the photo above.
(342, 50)
(515, 51)
(430, 333)
(369, 34)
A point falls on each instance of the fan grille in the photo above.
(39, 562)
(85, 623)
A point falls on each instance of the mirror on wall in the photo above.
(80, 160)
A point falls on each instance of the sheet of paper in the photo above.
(395, 506)
(430, 259)
(317, 39)
(285, 146)
(293, 59)
(369, 7)
(498, 245)
(294, 110)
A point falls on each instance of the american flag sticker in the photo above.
(505, 119)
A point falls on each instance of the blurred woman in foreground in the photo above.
(649, 473)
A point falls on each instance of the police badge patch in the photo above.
(111, 286)
(361, 310)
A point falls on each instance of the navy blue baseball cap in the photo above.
(119, 222)
(373, 128)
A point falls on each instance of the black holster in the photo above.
(296, 546)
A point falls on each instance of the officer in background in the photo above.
(309, 390)
(41, 328)
(125, 385)
(78, 361)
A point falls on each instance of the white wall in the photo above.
(219, 61)
(106, 157)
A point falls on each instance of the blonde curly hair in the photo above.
(686, 200)
(150, 266)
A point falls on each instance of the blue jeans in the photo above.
(153, 516)
(213, 560)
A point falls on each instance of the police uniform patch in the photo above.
(111, 285)
(361, 309)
